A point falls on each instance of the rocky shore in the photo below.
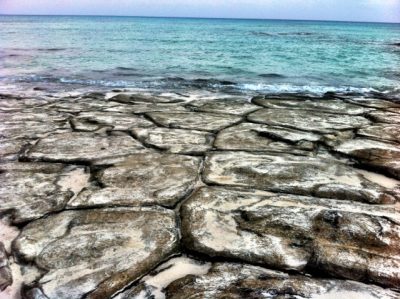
(125, 195)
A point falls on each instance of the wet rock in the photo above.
(229, 106)
(314, 121)
(143, 98)
(96, 252)
(194, 121)
(5, 271)
(256, 137)
(82, 147)
(31, 190)
(373, 103)
(381, 155)
(175, 140)
(344, 239)
(154, 284)
(319, 105)
(385, 117)
(93, 121)
(229, 280)
(143, 179)
(298, 175)
(383, 132)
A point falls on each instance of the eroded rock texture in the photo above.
(294, 232)
(96, 252)
(123, 195)
(298, 175)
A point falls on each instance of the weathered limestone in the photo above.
(93, 121)
(5, 271)
(229, 280)
(297, 175)
(344, 239)
(82, 147)
(154, 284)
(96, 252)
(385, 117)
(175, 140)
(381, 155)
(256, 137)
(383, 132)
(11, 148)
(373, 103)
(228, 106)
(143, 179)
(314, 121)
(128, 98)
(194, 121)
(31, 190)
(319, 105)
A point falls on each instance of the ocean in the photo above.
(267, 56)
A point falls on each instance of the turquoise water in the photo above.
(259, 55)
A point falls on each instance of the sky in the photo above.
(341, 10)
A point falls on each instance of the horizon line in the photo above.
(201, 18)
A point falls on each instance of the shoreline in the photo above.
(240, 195)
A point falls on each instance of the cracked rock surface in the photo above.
(121, 195)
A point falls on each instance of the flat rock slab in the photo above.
(228, 106)
(382, 155)
(175, 140)
(385, 117)
(143, 179)
(382, 132)
(305, 120)
(11, 148)
(93, 121)
(373, 103)
(297, 175)
(5, 271)
(95, 252)
(344, 239)
(257, 137)
(31, 190)
(319, 105)
(129, 98)
(194, 121)
(229, 280)
(82, 147)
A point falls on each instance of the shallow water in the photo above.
(176, 53)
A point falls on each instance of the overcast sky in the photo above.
(352, 10)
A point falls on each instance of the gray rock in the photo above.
(175, 140)
(313, 121)
(194, 120)
(256, 137)
(5, 271)
(96, 252)
(229, 280)
(373, 103)
(342, 238)
(382, 155)
(383, 132)
(385, 117)
(10, 148)
(228, 105)
(140, 108)
(82, 105)
(298, 175)
(82, 147)
(143, 98)
(143, 179)
(31, 190)
(93, 121)
(318, 105)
